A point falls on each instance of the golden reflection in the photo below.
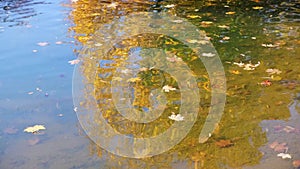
(247, 103)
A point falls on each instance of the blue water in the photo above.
(35, 88)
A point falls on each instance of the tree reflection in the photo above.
(247, 104)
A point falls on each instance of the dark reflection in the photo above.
(15, 12)
(239, 136)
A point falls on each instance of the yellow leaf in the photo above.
(224, 26)
(230, 13)
(276, 78)
(236, 72)
(193, 16)
(257, 7)
(34, 128)
(135, 79)
(206, 22)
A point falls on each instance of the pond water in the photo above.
(257, 43)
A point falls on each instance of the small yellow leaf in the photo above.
(235, 72)
(193, 16)
(230, 13)
(257, 7)
(34, 128)
(224, 26)
(206, 22)
(276, 78)
(135, 79)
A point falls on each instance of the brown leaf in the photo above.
(33, 141)
(279, 147)
(273, 145)
(10, 130)
(289, 129)
(224, 143)
(296, 163)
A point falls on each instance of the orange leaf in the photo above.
(224, 143)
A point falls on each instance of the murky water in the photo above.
(261, 117)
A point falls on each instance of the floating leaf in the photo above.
(34, 129)
(224, 143)
(279, 147)
(239, 64)
(273, 145)
(248, 66)
(257, 7)
(74, 62)
(43, 43)
(193, 16)
(206, 22)
(38, 89)
(276, 78)
(269, 45)
(143, 69)
(170, 6)
(289, 129)
(112, 5)
(235, 72)
(177, 117)
(33, 141)
(284, 155)
(59, 42)
(226, 38)
(224, 26)
(177, 21)
(208, 54)
(168, 88)
(230, 13)
(134, 79)
(296, 163)
(266, 83)
(10, 130)
(203, 42)
(273, 71)
(174, 59)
